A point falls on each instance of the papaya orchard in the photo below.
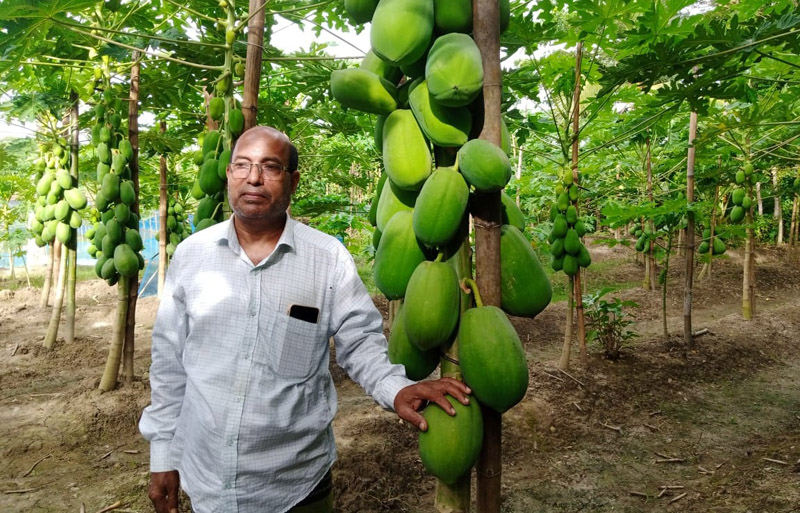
(615, 138)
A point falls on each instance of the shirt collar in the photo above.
(287, 237)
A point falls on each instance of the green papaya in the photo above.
(122, 213)
(61, 210)
(718, 247)
(417, 363)
(451, 444)
(557, 248)
(43, 185)
(75, 220)
(406, 156)
(393, 199)
(378, 66)
(560, 226)
(211, 143)
(55, 189)
(703, 248)
(222, 165)
(174, 238)
(416, 69)
(118, 163)
(505, 14)
(202, 225)
(127, 194)
(401, 30)
(444, 126)
(505, 137)
(104, 134)
(524, 286)
(557, 263)
(452, 16)
(49, 231)
(376, 238)
(706, 233)
(740, 177)
(431, 305)
(95, 138)
(640, 243)
(103, 153)
(102, 171)
(360, 11)
(570, 266)
(110, 187)
(562, 202)
(454, 70)
(580, 227)
(64, 179)
(108, 215)
(398, 255)
(115, 120)
(372, 215)
(572, 214)
(108, 270)
(364, 91)
(572, 243)
(573, 193)
(99, 233)
(134, 240)
(440, 207)
(511, 213)
(584, 257)
(107, 246)
(738, 196)
(737, 214)
(196, 192)
(747, 202)
(206, 209)
(75, 198)
(484, 165)
(126, 149)
(235, 122)
(567, 177)
(63, 232)
(92, 250)
(125, 261)
(216, 108)
(209, 179)
(492, 359)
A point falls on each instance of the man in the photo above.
(242, 398)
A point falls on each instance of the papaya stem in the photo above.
(470, 283)
(439, 257)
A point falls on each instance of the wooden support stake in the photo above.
(26, 474)
(114, 506)
(573, 378)
(779, 462)
(638, 494)
(679, 497)
(618, 429)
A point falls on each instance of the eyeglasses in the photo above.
(269, 170)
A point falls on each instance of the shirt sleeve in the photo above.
(361, 348)
(167, 375)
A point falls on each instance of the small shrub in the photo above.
(608, 324)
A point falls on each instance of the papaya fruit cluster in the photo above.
(58, 198)
(114, 237)
(422, 78)
(177, 224)
(740, 196)
(568, 252)
(715, 246)
(214, 154)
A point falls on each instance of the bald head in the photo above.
(267, 133)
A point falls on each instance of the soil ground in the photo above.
(715, 428)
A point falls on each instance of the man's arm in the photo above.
(361, 350)
(167, 383)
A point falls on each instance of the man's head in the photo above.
(265, 189)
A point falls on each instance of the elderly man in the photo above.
(242, 399)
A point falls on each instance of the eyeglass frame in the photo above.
(262, 168)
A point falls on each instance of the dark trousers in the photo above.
(320, 500)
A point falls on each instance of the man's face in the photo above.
(256, 196)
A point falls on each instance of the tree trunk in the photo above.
(162, 219)
(576, 112)
(793, 225)
(133, 281)
(109, 379)
(664, 286)
(72, 254)
(563, 362)
(48, 275)
(252, 71)
(11, 275)
(650, 277)
(455, 498)
(486, 31)
(759, 200)
(778, 213)
(748, 271)
(27, 275)
(687, 291)
(55, 314)
(681, 244)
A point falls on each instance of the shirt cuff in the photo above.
(389, 389)
(159, 456)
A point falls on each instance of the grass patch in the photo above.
(82, 273)
(597, 279)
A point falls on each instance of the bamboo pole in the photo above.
(109, 379)
(133, 281)
(72, 254)
(486, 31)
(688, 278)
(777, 211)
(665, 329)
(252, 71)
(162, 218)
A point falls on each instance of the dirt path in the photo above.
(727, 413)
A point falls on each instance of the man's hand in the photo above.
(413, 397)
(163, 491)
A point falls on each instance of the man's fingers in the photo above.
(412, 416)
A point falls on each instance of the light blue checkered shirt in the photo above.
(242, 399)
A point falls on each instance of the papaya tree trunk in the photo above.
(72, 254)
(58, 303)
(670, 235)
(577, 290)
(455, 498)
(688, 278)
(133, 281)
(48, 275)
(27, 275)
(486, 31)
(793, 225)
(162, 218)
(759, 199)
(563, 362)
(748, 271)
(650, 277)
(252, 70)
(778, 211)
(109, 379)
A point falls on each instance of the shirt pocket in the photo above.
(295, 348)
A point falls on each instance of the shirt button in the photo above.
(237, 399)
(247, 356)
(230, 443)
(252, 313)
